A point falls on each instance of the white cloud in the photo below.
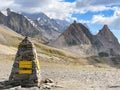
(84, 21)
(98, 8)
(58, 8)
(112, 21)
(53, 8)
(84, 3)
(83, 6)
(5, 3)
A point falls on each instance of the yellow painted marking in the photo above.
(38, 64)
(25, 71)
(37, 61)
(25, 64)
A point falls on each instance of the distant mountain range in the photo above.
(74, 37)
(34, 25)
(42, 19)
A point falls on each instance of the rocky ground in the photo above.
(71, 77)
(85, 79)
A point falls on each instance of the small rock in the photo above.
(47, 80)
(44, 86)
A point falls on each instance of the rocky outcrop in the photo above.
(108, 40)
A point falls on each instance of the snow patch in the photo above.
(32, 22)
(4, 12)
(38, 19)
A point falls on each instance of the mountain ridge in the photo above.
(18, 23)
(76, 40)
(44, 28)
(77, 35)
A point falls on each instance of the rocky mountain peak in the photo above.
(108, 39)
(75, 21)
(75, 34)
(8, 11)
(105, 32)
(105, 27)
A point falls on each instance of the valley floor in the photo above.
(72, 77)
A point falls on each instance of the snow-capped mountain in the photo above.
(42, 19)
(33, 25)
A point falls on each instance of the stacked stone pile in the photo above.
(25, 69)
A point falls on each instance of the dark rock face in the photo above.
(26, 69)
(107, 35)
(75, 34)
(19, 24)
(3, 19)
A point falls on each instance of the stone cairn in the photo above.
(26, 67)
(26, 70)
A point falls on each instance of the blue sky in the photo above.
(95, 13)
(69, 0)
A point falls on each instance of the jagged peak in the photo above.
(8, 11)
(105, 27)
(75, 22)
(106, 33)
(104, 30)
